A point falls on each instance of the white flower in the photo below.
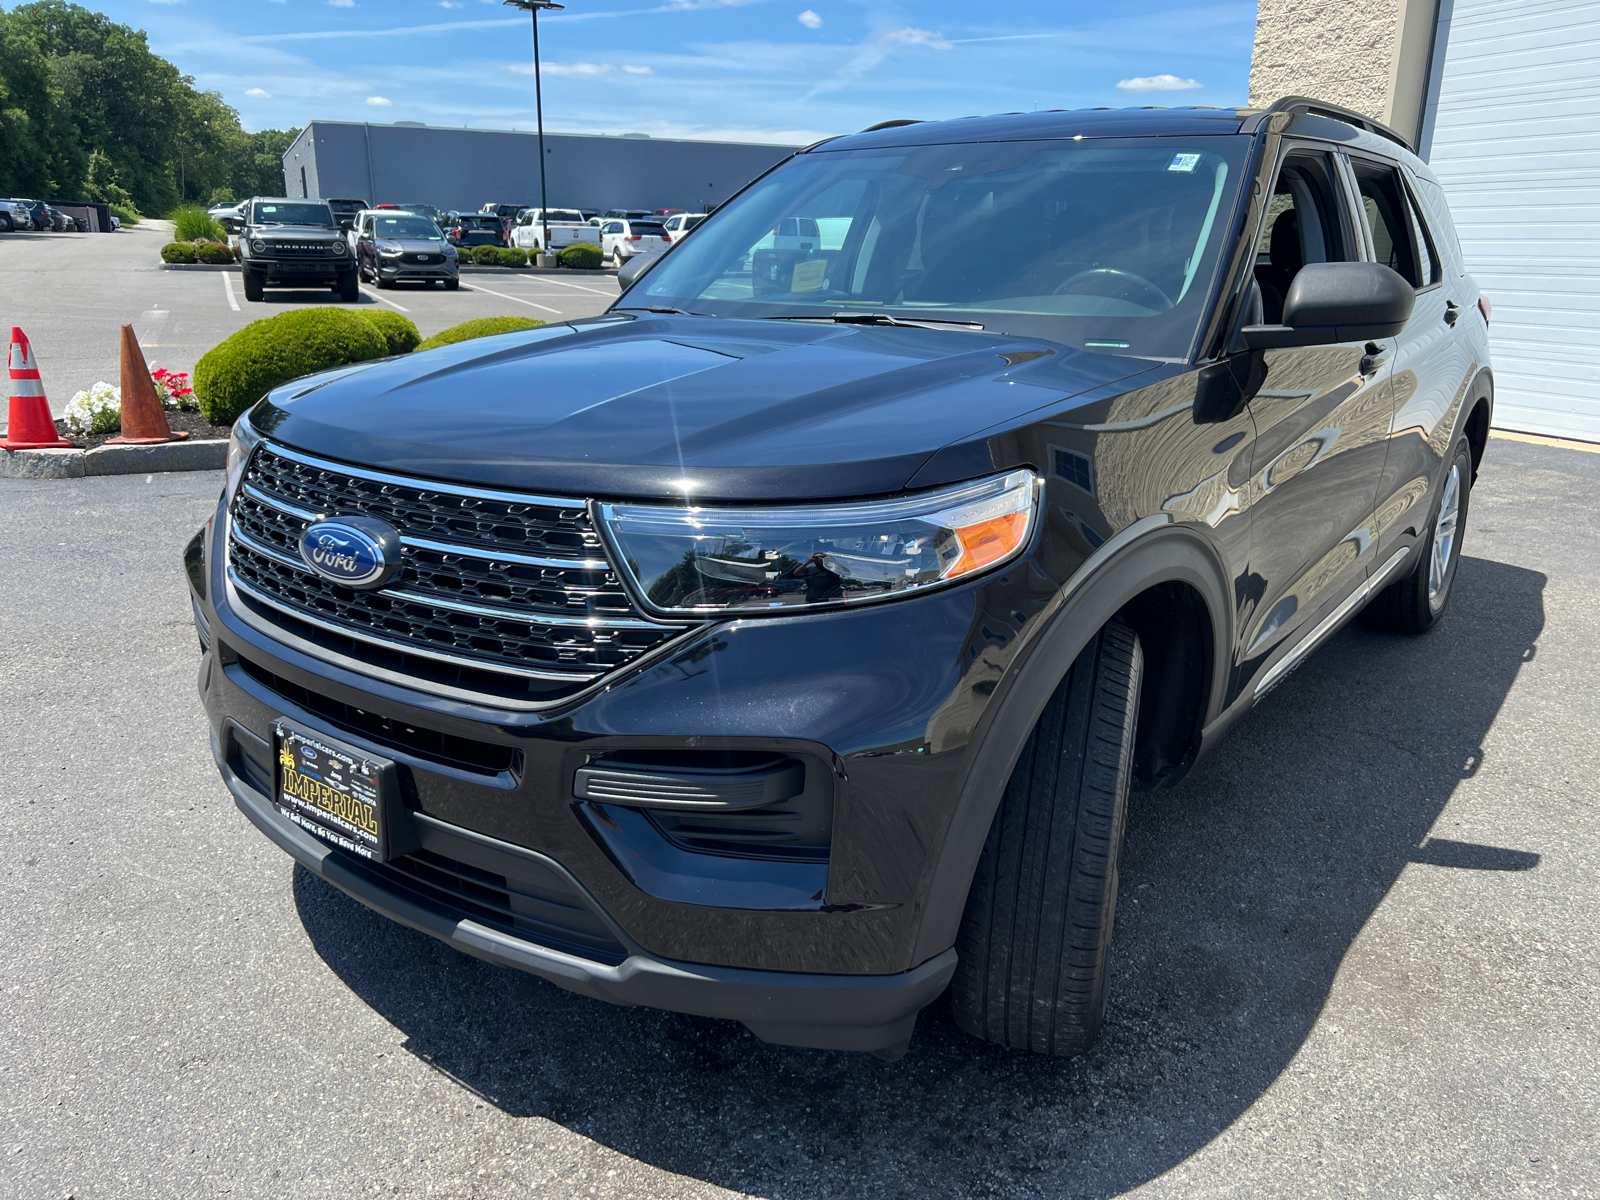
(95, 412)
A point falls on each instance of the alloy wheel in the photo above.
(1444, 537)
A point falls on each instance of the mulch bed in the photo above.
(199, 429)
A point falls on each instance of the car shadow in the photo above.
(1241, 892)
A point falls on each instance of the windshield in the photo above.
(1106, 244)
(416, 229)
(293, 214)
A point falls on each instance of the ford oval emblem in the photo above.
(358, 552)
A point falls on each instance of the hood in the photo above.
(415, 245)
(657, 407)
(296, 231)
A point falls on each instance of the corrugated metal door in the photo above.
(1516, 141)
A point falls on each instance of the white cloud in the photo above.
(258, 93)
(910, 35)
(449, 3)
(342, 3)
(810, 20)
(379, 101)
(1158, 83)
(580, 69)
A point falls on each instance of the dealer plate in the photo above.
(336, 794)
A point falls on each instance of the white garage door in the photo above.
(1516, 140)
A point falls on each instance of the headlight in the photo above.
(339, 248)
(258, 245)
(389, 249)
(243, 440)
(775, 560)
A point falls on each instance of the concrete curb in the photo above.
(465, 269)
(208, 455)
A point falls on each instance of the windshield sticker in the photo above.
(1184, 162)
(808, 275)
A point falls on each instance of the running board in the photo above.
(1329, 623)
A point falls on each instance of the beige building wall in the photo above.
(1369, 55)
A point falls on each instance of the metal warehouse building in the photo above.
(1502, 98)
(464, 169)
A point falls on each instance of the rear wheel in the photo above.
(349, 287)
(1036, 935)
(253, 288)
(1415, 603)
(617, 259)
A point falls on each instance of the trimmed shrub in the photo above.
(488, 256)
(193, 224)
(178, 252)
(482, 327)
(399, 334)
(127, 216)
(584, 256)
(265, 354)
(213, 252)
(512, 257)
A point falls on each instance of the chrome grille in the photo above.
(498, 592)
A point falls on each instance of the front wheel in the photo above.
(1036, 936)
(1415, 603)
(349, 287)
(253, 288)
(452, 285)
(5, 223)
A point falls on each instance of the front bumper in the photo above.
(312, 271)
(838, 1012)
(405, 270)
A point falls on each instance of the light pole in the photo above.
(532, 7)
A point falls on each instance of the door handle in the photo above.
(1452, 312)
(1370, 361)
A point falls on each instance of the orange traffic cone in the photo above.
(28, 425)
(144, 422)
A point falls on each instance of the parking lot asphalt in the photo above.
(1358, 950)
(71, 293)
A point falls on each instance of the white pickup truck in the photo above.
(567, 226)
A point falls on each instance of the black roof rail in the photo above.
(1319, 108)
(891, 124)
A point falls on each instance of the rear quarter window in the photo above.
(1436, 212)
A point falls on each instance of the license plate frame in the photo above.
(343, 794)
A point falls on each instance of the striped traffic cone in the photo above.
(29, 425)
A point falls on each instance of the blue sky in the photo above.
(753, 70)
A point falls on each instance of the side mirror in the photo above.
(634, 268)
(1337, 302)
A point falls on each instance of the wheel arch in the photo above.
(1478, 411)
(1158, 570)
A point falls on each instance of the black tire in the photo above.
(5, 223)
(253, 288)
(616, 258)
(350, 287)
(1036, 935)
(451, 285)
(1410, 604)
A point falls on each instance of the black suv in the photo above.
(783, 645)
(294, 244)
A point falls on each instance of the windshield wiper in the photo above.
(660, 308)
(881, 318)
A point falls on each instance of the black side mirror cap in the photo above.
(1337, 302)
(634, 268)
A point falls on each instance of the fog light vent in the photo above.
(729, 782)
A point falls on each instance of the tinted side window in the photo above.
(1388, 218)
(1446, 241)
(1427, 257)
(1302, 226)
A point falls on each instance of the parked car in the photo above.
(116, 222)
(289, 243)
(404, 247)
(475, 229)
(59, 221)
(345, 211)
(15, 214)
(628, 214)
(566, 225)
(977, 544)
(39, 215)
(621, 240)
(680, 224)
(427, 210)
(667, 212)
(230, 216)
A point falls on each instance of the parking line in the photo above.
(368, 291)
(478, 287)
(581, 287)
(227, 287)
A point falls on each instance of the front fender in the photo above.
(1147, 553)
